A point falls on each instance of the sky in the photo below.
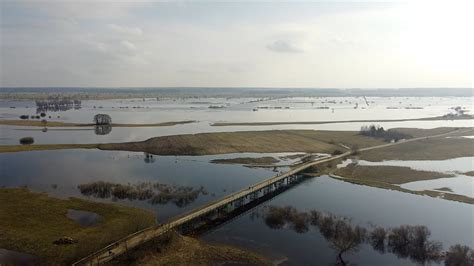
(322, 44)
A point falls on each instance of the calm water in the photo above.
(450, 222)
(236, 110)
(60, 172)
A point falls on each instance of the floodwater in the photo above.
(60, 172)
(84, 218)
(151, 110)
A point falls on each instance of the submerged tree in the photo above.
(459, 255)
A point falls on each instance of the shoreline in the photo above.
(436, 118)
(33, 123)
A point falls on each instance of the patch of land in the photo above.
(36, 123)
(247, 161)
(471, 173)
(274, 141)
(387, 174)
(431, 193)
(176, 249)
(426, 149)
(30, 223)
(447, 189)
(461, 117)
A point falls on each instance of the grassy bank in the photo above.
(36, 123)
(308, 141)
(175, 249)
(431, 193)
(222, 124)
(247, 161)
(428, 149)
(387, 174)
(32, 221)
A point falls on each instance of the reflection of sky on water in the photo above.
(237, 110)
(450, 222)
(67, 169)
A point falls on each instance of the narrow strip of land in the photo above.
(35, 123)
(222, 124)
(140, 237)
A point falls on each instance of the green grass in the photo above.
(30, 222)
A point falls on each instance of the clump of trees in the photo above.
(459, 255)
(56, 104)
(155, 193)
(103, 124)
(405, 241)
(27, 140)
(377, 131)
(102, 119)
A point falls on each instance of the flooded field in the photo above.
(172, 185)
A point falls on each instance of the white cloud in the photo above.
(282, 46)
(125, 30)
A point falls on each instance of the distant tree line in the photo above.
(377, 131)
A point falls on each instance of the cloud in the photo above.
(282, 46)
(125, 30)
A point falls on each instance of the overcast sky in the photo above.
(179, 43)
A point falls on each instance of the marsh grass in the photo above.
(155, 193)
(31, 222)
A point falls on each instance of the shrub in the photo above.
(337, 152)
(27, 140)
(24, 116)
(43, 114)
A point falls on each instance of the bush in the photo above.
(24, 116)
(43, 114)
(27, 140)
(337, 152)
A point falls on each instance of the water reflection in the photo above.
(155, 193)
(102, 129)
(84, 218)
(405, 241)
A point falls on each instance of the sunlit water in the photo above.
(236, 110)
(60, 172)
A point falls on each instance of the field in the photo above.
(31, 222)
(429, 149)
(175, 249)
(387, 174)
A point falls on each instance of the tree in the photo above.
(459, 255)
(102, 119)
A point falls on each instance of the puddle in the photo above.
(84, 218)
(9, 257)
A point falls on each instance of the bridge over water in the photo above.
(213, 212)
